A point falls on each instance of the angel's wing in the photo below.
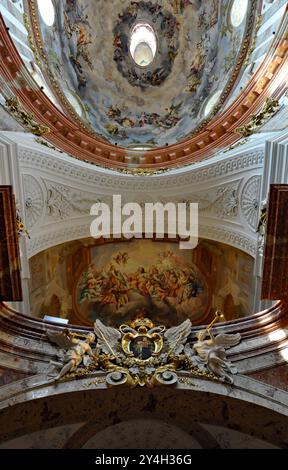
(61, 339)
(108, 338)
(227, 341)
(177, 336)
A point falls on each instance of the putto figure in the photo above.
(73, 352)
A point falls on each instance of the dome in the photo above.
(143, 71)
(155, 84)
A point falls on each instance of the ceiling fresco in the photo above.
(87, 51)
(146, 278)
(118, 281)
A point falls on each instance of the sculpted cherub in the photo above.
(73, 352)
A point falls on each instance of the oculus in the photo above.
(73, 100)
(238, 12)
(211, 103)
(142, 67)
(143, 44)
(47, 11)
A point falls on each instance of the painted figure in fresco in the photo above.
(68, 28)
(71, 4)
(180, 5)
(167, 121)
(73, 351)
(76, 29)
(84, 38)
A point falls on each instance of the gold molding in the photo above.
(31, 40)
(143, 171)
(253, 41)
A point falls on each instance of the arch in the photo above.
(89, 431)
(184, 408)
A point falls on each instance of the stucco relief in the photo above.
(34, 200)
(64, 202)
(250, 201)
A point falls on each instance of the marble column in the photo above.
(275, 171)
(10, 175)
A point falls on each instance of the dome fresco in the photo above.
(161, 103)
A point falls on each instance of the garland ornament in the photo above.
(27, 120)
(21, 228)
(143, 354)
(258, 120)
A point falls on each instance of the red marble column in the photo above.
(10, 279)
(275, 272)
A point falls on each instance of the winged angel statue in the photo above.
(211, 353)
(73, 351)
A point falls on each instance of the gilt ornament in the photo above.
(143, 354)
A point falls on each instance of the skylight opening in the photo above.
(73, 101)
(238, 12)
(142, 147)
(42, 84)
(211, 103)
(143, 44)
(47, 11)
